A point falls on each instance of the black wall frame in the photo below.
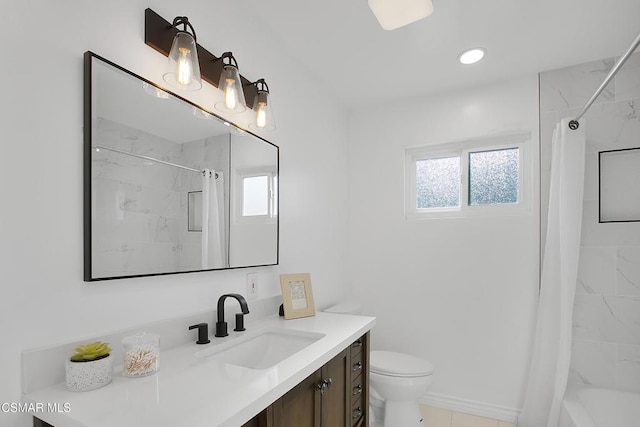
(87, 160)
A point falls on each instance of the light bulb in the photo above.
(261, 105)
(184, 72)
(230, 95)
(230, 84)
(183, 68)
(261, 115)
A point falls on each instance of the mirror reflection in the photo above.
(172, 187)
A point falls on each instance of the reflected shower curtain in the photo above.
(552, 345)
(214, 254)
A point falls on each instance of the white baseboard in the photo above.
(481, 409)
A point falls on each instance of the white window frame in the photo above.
(238, 189)
(461, 149)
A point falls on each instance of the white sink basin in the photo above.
(262, 349)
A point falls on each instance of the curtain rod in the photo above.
(150, 159)
(573, 124)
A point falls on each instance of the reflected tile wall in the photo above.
(606, 322)
(138, 226)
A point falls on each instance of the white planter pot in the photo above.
(85, 376)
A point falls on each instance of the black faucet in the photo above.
(203, 333)
(221, 325)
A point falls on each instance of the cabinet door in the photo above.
(300, 407)
(336, 406)
(263, 419)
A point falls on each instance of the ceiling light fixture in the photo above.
(392, 14)
(471, 56)
(183, 69)
(262, 107)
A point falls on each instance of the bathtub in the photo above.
(599, 407)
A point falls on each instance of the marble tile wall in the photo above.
(606, 321)
(141, 206)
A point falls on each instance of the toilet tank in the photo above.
(346, 307)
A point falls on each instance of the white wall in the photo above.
(44, 299)
(460, 293)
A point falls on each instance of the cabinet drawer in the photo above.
(357, 364)
(357, 387)
(357, 414)
(357, 345)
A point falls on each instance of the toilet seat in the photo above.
(395, 364)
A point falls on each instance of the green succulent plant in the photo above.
(92, 351)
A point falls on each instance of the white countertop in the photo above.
(193, 391)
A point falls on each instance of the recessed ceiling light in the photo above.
(472, 56)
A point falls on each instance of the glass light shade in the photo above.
(392, 14)
(231, 88)
(183, 68)
(264, 115)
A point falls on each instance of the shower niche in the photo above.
(168, 186)
(619, 176)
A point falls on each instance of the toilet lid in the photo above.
(398, 364)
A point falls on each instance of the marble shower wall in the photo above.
(606, 319)
(141, 206)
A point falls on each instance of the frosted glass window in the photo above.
(255, 195)
(438, 183)
(468, 178)
(494, 177)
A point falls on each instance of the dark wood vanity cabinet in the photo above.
(336, 395)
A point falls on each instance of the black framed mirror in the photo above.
(168, 186)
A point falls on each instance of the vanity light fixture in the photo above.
(231, 86)
(222, 72)
(471, 56)
(183, 68)
(262, 107)
(392, 14)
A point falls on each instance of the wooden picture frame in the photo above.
(297, 295)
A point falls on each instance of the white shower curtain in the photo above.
(552, 344)
(214, 254)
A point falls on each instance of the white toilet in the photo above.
(397, 382)
(400, 379)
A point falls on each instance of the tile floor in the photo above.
(438, 417)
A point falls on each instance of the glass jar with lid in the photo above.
(141, 355)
